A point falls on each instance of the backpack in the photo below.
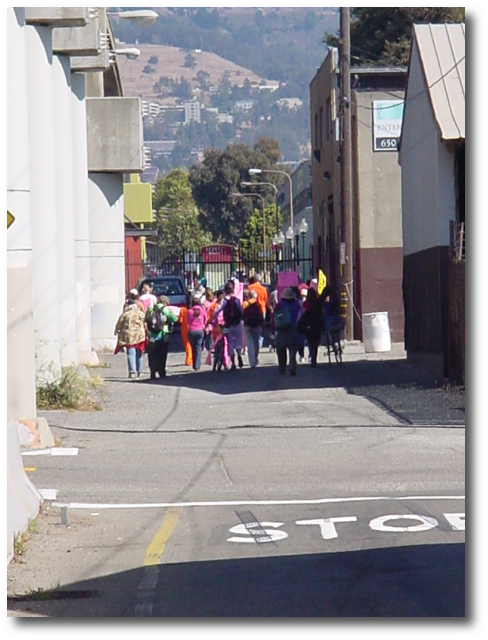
(156, 320)
(232, 312)
(253, 316)
(282, 318)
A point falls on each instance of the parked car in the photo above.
(171, 286)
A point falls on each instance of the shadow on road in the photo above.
(411, 581)
(410, 394)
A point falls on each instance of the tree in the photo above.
(252, 237)
(190, 61)
(219, 176)
(202, 78)
(177, 218)
(381, 36)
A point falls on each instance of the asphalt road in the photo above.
(337, 493)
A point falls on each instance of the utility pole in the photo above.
(346, 169)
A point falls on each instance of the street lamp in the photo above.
(142, 17)
(278, 241)
(255, 172)
(302, 229)
(258, 195)
(289, 237)
(131, 53)
(268, 184)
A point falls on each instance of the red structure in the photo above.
(133, 263)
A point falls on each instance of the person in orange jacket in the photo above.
(184, 337)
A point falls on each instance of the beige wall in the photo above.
(377, 200)
(324, 91)
(21, 384)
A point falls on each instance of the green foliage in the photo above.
(190, 61)
(170, 87)
(73, 389)
(380, 36)
(252, 237)
(177, 217)
(219, 176)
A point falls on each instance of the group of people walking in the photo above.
(144, 326)
(220, 322)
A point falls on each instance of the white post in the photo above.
(107, 256)
(82, 227)
(45, 259)
(65, 204)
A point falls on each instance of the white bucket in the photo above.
(376, 332)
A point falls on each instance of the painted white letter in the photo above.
(327, 528)
(456, 520)
(378, 524)
(255, 532)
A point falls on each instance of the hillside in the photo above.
(222, 57)
(165, 61)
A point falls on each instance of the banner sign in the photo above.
(287, 279)
(387, 124)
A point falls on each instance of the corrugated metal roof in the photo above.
(442, 52)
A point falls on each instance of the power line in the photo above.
(418, 94)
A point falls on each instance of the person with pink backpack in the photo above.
(231, 307)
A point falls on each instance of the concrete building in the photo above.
(244, 105)
(66, 157)
(71, 136)
(192, 111)
(289, 103)
(377, 98)
(432, 152)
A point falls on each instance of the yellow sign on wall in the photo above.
(10, 218)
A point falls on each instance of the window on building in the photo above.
(460, 183)
(329, 119)
(321, 127)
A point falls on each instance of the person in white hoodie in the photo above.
(147, 297)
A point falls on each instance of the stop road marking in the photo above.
(261, 532)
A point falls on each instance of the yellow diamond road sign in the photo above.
(10, 218)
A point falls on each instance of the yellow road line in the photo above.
(156, 548)
(29, 468)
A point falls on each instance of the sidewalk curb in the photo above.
(34, 434)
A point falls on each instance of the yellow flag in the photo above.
(322, 283)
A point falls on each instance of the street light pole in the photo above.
(258, 195)
(268, 184)
(254, 171)
(303, 228)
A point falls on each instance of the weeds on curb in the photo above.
(73, 389)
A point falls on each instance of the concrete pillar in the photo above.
(107, 250)
(21, 363)
(19, 238)
(65, 205)
(82, 227)
(45, 259)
